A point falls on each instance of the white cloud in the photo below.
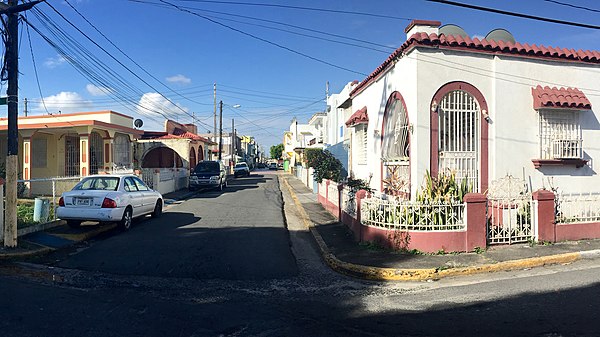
(53, 62)
(179, 79)
(95, 90)
(156, 106)
(65, 102)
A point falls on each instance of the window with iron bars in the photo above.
(121, 150)
(560, 135)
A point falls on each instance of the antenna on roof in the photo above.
(500, 34)
(451, 29)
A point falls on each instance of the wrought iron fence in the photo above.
(333, 193)
(510, 220)
(412, 216)
(349, 201)
(572, 208)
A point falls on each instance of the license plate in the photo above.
(83, 201)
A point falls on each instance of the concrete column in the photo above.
(84, 154)
(108, 154)
(26, 158)
(476, 221)
(546, 226)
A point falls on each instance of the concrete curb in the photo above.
(88, 234)
(392, 274)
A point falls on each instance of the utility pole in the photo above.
(215, 111)
(12, 68)
(220, 128)
(232, 141)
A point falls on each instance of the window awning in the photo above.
(559, 98)
(359, 117)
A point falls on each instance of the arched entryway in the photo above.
(459, 134)
(161, 157)
(200, 153)
(192, 158)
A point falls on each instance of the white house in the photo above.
(484, 108)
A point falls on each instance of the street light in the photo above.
(221, 127)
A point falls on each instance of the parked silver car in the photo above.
(108, 198)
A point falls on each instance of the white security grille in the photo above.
(96, 153)
(395, 133)
(121, 149)
(459, 136)
(71, 155)
(560, 135)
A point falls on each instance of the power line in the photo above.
(573, 6)
(264, 40)
(519, 15)
(316, 9)
(122, 64)
(285, 25)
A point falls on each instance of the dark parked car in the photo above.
(261, 166)
(208, 174)
(273, 166)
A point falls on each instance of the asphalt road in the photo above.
(260, 279)
(236, 234)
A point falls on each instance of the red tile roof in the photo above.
(443, 41)
(569, 98)
(359, 117)
(186, 135)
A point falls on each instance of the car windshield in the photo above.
(98, 183)
(207, 167)
(241, 165)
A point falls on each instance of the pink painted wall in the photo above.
(578, 231)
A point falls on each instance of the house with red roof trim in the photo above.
(482, 108)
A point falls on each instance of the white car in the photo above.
(109, 198)
(241, 169)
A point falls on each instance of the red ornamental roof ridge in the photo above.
(185, 135)
(562, 98)
(359, 117)
(434, 40)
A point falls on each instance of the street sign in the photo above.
(3, 100)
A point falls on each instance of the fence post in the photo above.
(546, 224)
(1, 210)
(340, 193)
(476, 221)
(360, 195)
(156, 179)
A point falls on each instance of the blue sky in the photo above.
(181, 54)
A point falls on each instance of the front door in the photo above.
(459, 148)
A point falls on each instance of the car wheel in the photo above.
(125, 222)
(157, 209)
(74, 223)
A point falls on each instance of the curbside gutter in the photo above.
(392, 274)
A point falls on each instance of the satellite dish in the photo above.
(451, 29)
(138, 123)
(500, 35)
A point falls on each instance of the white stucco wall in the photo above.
(505, 82)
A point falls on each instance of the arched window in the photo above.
(122, 150)
(460, 143)
(396, 147)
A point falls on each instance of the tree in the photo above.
(326, 166)
(277, 151)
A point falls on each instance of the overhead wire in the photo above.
(263, 40)
(121, 63)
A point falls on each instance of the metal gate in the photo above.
(96, 153)
(459, 136)
(510, 212)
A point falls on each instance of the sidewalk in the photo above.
(347, 256)
(44, 241)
